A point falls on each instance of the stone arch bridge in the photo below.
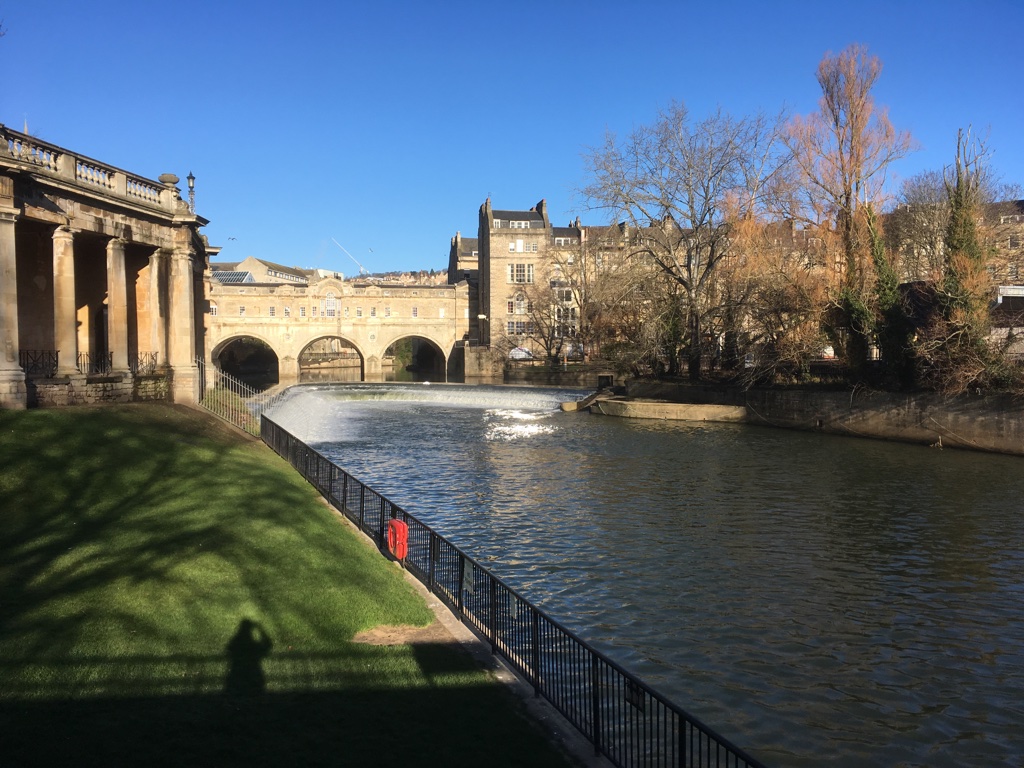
(328, 319)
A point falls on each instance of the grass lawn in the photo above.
(173, 594)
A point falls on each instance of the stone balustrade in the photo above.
(84, 172)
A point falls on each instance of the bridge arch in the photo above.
(331, 357)
(414, 357)
(249, 358)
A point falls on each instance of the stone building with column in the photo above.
(102, 280)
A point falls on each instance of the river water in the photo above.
(813, 598)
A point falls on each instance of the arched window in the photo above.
(330, 305)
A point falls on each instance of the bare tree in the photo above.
(843, 152)
(680, 186)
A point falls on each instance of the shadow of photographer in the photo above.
(246, 650)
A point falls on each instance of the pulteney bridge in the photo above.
(314, 328)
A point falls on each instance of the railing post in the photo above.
(595, 701)
(460, 600)
(494, 615)
(362, 506)
(431, 554)
(536, 650)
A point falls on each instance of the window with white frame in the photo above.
(213, 309)
(415, 312)
(302, 311)
(287, 311)
(272, 311)
(373, 311)
(314, 310)
(330, 305)
(359, 311)
(520, 273)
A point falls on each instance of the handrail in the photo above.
(625, 719)
(233, 400)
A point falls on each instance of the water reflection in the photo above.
(807, 595)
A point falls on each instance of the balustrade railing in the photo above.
(625, 719)
(88, 173)
(39, 362)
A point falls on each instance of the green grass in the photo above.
(136, 541)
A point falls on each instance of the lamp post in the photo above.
(191, 192)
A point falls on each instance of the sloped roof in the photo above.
(518, 215)
(233, 278)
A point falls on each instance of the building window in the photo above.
(359, 311)
(302, 311)
(314, 310)
(373, 311)
(287, 311)
(519, 225)
(213, 310)
(241, 311)
(415, 312)
(387, 311)
(520, 273)
(345, 311)
(331, 305)
(272, 311)
(1014, 241)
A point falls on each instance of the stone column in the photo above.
(12, 378)
(117, 306)
(65, 308)
(181, 350)
(158, 304)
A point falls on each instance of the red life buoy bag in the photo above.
(398, 539)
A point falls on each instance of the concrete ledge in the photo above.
(663, 411)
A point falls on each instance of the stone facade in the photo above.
(290, 317)
(102, 278)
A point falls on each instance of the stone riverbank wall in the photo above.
(992, 423)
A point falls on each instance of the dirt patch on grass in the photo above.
(405, 635)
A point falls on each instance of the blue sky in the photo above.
(384, 125)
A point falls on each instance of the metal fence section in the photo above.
(626, 720)
(39, 362)
(90, 363)
(232, 400)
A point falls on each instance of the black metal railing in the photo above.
(89, 363)
(143, 363)
(626, 720)
(39, 362)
